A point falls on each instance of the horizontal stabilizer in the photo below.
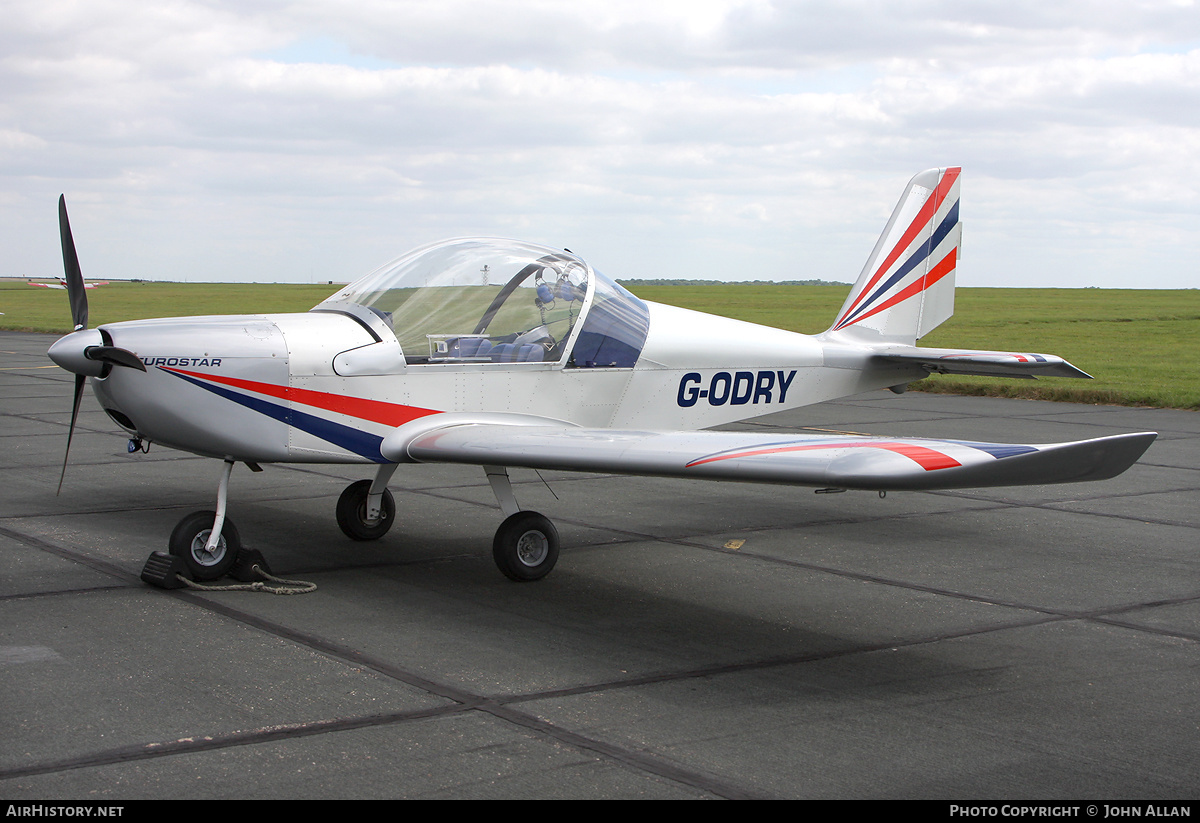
(876, 463)
(984, 363)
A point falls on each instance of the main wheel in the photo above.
(352, 512)
(526, 547)
(189, 542)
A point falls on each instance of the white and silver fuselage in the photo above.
(267, 388)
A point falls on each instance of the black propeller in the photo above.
(77, 292)
(74, 277)
(79, 381)
(79, 314)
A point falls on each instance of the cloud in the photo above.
(676, 137)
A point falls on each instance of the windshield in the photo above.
(480, 300)
(498, 301)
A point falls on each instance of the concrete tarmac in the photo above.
(696, 640)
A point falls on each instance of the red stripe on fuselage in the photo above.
(377, 411)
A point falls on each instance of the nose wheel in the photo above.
(206, 556)
(190, 542)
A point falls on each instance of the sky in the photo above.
(310, 141)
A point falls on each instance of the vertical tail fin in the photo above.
(906, 289)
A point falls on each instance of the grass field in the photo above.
(1142, 346)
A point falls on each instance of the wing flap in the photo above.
(875, 463)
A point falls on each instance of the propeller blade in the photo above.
(79, 316)
(114, 355)
(74, 277)
(80, 380)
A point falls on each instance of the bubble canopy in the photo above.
(487, 300)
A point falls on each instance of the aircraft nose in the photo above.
(68, 352)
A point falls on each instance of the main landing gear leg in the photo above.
(208, 542)
(366, 509)
(526, 544)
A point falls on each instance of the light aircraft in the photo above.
(499, 353)
(62, 284)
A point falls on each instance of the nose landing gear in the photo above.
(190, 543)
(207, 542)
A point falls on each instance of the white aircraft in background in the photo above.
(545, 363)
(62, 284)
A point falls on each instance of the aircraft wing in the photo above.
(985, 363)
(837, 461)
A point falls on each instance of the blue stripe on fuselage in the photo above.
(352, 440)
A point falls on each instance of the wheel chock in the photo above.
(164, 570)
(243, 567)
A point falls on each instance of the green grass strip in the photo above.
(1142, 346)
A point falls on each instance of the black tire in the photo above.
(352, 512)
(189, 539)
(526, 547)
